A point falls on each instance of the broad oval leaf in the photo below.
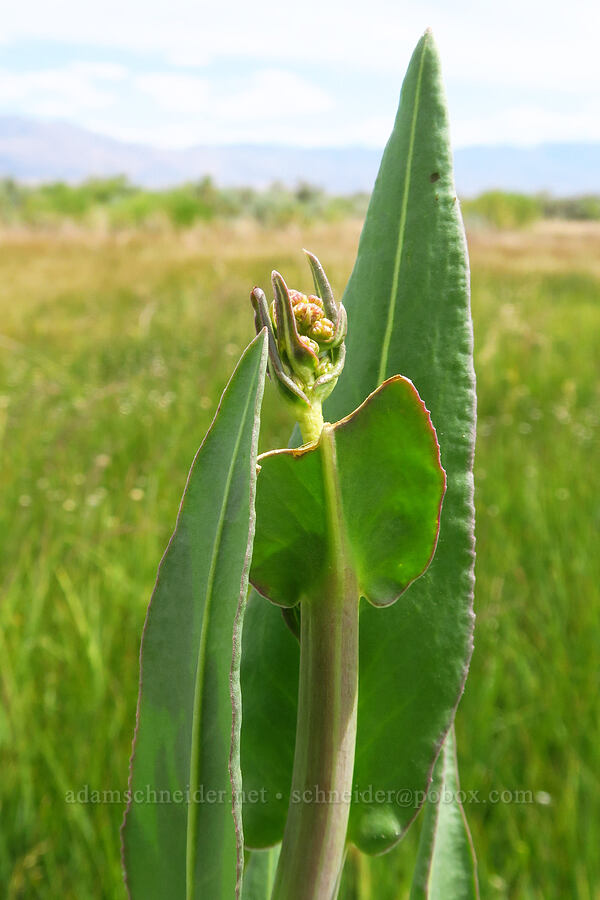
(180, 837)
(408, 311)
(391, 485)
(446, 865)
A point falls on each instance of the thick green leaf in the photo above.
(391, 487)
(259, 874)
(189, 677)
(446, 864)
(412, 258)
(408, 312)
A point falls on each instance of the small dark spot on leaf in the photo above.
(434, 177)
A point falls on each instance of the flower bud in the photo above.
(306, 338)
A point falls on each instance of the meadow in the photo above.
(114, 349)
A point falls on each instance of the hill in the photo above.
(32, 150)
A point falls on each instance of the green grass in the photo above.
(113, 353)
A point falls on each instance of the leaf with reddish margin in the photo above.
(391, 486)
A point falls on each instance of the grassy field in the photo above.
(113, 353)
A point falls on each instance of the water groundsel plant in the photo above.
(281, 723)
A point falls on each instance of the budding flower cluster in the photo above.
(311, 320)
(306, 338)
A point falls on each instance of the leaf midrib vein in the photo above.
(402, 226)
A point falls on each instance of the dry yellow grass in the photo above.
(548, 246)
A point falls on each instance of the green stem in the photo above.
(311, 422)
(312, 852)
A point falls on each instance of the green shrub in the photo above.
(502, 210)
(120, 204)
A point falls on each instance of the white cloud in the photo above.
(274, 94)
(261, 107)
(524, 125)
(52, 91)
(527, 125)
(103, 71)
(516, 42)
(368, 131)
(188, 58)
(176, 92)
(538, 63)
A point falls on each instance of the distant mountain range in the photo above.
(32, 150)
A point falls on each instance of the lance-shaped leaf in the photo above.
(180, 837)
(412, 260)
(446, 864)
(391, 485)
(408, 312)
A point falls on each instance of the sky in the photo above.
(174, 73)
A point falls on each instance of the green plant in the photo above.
(503, 210)
(352, 513)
